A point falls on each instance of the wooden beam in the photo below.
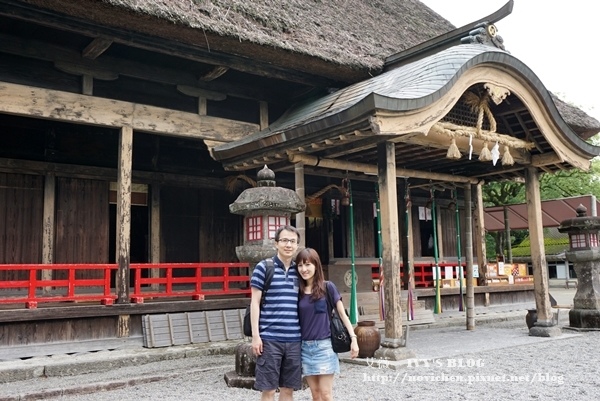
(96, 48)
(546, 159)
(200, 92)
(107, 174)
(78, 69)
(110, 65)
(35, 102)
(441, 141)
(370, 169)
(89, 310)
(215, 73)
(165, 46)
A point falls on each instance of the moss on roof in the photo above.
(554, 243)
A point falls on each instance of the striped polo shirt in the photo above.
(279, 316)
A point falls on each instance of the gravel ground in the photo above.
(522, 368)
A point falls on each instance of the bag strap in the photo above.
(269, 273)
(329, 297)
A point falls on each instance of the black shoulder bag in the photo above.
(269, 271)
(340, 338)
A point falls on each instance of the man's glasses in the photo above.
(286, 241)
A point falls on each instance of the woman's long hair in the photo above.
(318, 287)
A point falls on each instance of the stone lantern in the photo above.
(584, 253)
(265, 208)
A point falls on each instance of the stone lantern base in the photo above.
(245, 365)
(584, 318)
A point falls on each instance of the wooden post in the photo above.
(480, 248)
(393, 346)
(507, 236)
(264, 115)
(48, 226)
(470, 301)
(155, 230)
(440, 233)
(538, 252)
(124, 213)
(300, 217)
(411, 248)
(386, 163)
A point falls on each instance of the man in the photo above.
(276, 337)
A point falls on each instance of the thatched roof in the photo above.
(584, 125)
(342, 40)
(355, 34)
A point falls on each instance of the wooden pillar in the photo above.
(48, 226)
(440, 234)
(403, 235)
(154, 256)
(538, 252)
(386, 165)
(300, 217)
(124, 213)
(509, 258)
(468, 230)
(480, 248)
(329, 221)
(410, 248)
(264, 115)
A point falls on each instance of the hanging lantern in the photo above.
(453, 151)
(345, 193)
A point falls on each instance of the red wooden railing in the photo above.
(423, 272)
(172, 280)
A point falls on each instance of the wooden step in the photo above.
(368, 309)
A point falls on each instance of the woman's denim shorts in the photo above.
(318, 358)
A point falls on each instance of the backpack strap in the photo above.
(269, 273)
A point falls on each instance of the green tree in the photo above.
(574, 182)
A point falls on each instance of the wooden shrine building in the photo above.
(128, 127)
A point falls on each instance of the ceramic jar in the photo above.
(368, 338)
(531, 317)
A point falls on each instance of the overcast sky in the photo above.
(557, 40)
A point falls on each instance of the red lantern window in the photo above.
(578, 241)
(593, 240)
(275, 222)
(254, 228)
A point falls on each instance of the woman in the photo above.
(319, 362)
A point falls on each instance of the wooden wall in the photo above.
(21, 211)
(220, 230)
(82, 222)
(364, 229)
(63, 330)
(197, 226)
